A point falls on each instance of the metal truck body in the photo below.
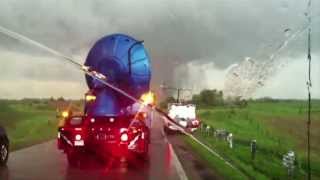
(109, 126)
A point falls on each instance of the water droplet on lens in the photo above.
(284, 5)
(287, 32)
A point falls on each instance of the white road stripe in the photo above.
(177, 164)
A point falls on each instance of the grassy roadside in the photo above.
(27, 123)
(277, 126)
(214, 162)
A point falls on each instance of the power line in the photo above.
(178, 89)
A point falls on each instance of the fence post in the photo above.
(202, 128)
(288, 161)
(253, 149)
(208, 131)
(229, 139)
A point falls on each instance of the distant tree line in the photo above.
(208, 97)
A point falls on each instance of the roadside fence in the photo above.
(289, 160)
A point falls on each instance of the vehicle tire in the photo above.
(4, 152)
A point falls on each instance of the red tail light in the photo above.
(195, 122)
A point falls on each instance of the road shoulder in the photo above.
(193, 165)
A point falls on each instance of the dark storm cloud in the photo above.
(186, 29)
(175, 31)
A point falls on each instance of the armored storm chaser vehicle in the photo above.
(109, 125)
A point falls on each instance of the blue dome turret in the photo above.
(126, 64)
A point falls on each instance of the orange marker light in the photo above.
(148, 98)
(141, 116)
(90, 97)
(65, 114)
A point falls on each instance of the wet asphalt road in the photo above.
(44, 161)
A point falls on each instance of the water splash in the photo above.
(243, 79)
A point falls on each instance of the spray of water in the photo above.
(246, 77)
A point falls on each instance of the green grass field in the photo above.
(277, 126)
(27, 123)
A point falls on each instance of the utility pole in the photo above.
(178, 95)
(178, 89)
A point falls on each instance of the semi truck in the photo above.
(111, 124)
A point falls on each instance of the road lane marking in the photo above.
(181, 173)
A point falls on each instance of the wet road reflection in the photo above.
(44, 161)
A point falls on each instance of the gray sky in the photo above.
(191, 42)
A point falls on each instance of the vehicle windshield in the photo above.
(182, 111)
(159, 89)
